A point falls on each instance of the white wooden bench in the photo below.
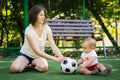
(65, 29)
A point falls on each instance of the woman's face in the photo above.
(41, 17)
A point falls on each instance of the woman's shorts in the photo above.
(93, 67)
(27, 57)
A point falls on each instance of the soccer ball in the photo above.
(69, 66)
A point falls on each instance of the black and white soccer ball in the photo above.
(69, 66)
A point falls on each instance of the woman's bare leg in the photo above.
(19, 64)
(40, 64)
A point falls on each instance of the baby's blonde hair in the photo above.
(91, 42)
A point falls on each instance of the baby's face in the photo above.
(86, 48)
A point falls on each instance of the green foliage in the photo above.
(11, 22)
(9, 53)
(11, 17)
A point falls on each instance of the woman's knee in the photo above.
(40, 64)
(15, 68)
(42, 68)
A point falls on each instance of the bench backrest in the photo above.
(75, 28)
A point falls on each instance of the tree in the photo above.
(101, 8)
(11, 21)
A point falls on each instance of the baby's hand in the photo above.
(82, 65)
(78, 63)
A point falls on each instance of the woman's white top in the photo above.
(40, 40)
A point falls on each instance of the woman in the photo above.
(32, 51)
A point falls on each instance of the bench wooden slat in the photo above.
(61, 20)
(74, 35)
(68, 24)
(72, 31)
(80, 28)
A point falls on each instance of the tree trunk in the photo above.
(1, 39)
(2, 30)
(21, 28)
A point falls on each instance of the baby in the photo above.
(88, 62)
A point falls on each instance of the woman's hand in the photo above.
(60, 59)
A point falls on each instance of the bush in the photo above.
(74, 53)
(7, 53)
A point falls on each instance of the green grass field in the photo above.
(55, 73)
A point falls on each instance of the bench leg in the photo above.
(104, 47)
